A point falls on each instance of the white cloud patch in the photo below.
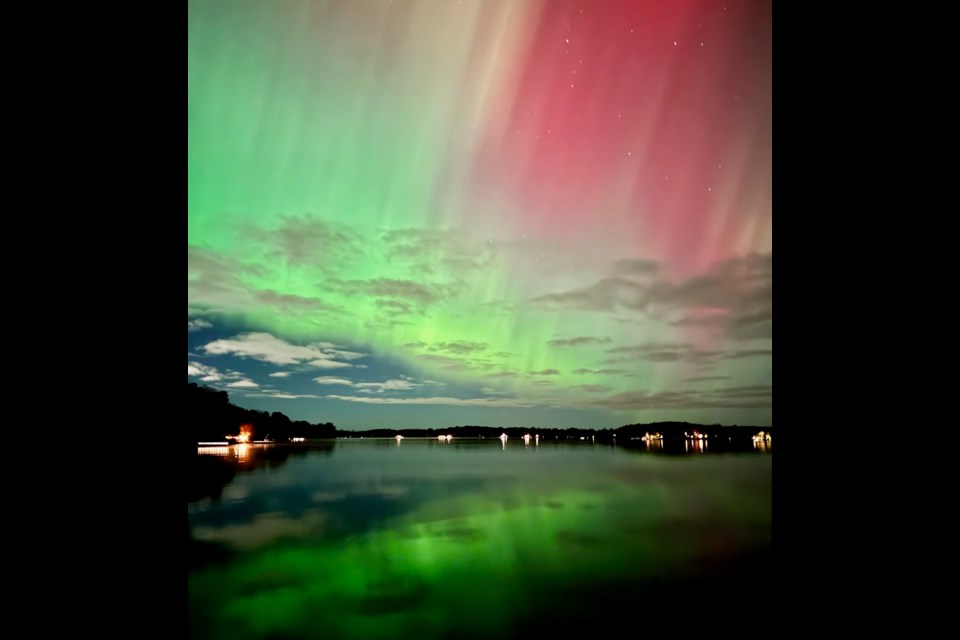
(268, 348)
(389, 385)
(280, 374)
(471, 402)
(204, 372)
(333, 380)
(490, 391)
(243, 384)
(282, 396)
(196, 325)
(328, 364)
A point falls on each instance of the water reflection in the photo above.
(695, 445)
(213, 451)
(362, 540)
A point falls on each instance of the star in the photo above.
(674, 43)
(567, 40)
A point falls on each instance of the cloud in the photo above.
(332, 380)
(196, 325)
(219, 282)
(389, 385)
(573, 342)
(281, 395)
(734, 295)
(747, 353)
(600, 372)
(592, 388)
(243, 384)
(395, 307)
(546, 372)
(288, 302)
(705, 378)
(608, 294)
(459, 346)
(660, 352)
(493, 392)
(471, 402)
(420, 294)
(266, 347)
(446, 362)
(636, 267)
(679, 352)
(204, 372)
(280, 374)
(214, 280)
(433, 250)
(303, 241)
(747, 397)
(750, 326)
(328, 364)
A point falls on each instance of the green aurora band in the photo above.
(462, 187)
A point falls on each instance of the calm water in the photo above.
(368, 539)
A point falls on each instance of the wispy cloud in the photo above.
(389, 385)
(600, 372)
(636, 267)
(268, 348)
(280, 395)
(280, 374)
(333, 380)
(679, 352)
(705, 378)
(608, 294)
(574, 342)
(592, 388)
(198, 324)
(303, 241)
(546, 372)
(418, 294)
(243, 384)
(470, 402)
(734, 296)
(746, 397)
(289, 302)
(207, 373)
(458, 347)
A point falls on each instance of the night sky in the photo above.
(424, 213)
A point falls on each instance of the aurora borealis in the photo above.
(433, 212)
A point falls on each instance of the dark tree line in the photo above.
(210, 416)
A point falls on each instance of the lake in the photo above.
(370, 538)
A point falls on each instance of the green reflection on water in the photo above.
(475, 542)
